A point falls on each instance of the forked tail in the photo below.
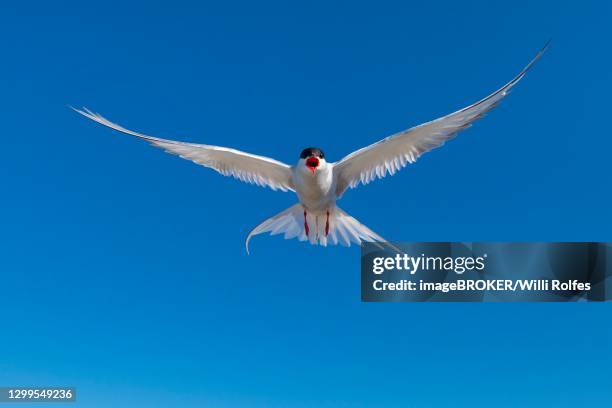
(333, 227)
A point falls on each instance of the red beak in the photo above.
(312, 163)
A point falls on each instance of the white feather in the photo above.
(395, 152)
(343, 229)
(246, 167)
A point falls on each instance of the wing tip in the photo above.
(77, 110)
(543, 50)
(96, 117)
(535, 59)
(545, 47)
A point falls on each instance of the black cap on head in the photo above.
(312, 151)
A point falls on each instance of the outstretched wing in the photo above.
(395, 152)
(250, 168)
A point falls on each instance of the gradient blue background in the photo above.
(123, 268)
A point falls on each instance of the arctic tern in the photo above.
(319, 183)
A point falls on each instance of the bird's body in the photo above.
(316, 192)
(318, 183)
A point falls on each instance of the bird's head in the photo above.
(312, 158)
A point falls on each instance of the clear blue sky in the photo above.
(123, 268)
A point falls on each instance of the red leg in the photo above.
(327, 224)
(306, 224)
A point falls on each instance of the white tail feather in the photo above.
(343, 229)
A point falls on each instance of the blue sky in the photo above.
(123, 268)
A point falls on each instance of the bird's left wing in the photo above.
(247, 167)
(395, 152)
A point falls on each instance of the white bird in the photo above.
(318, 183)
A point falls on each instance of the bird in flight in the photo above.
(318, 183)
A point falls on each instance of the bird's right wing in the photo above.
(247, 167)
(395, 152)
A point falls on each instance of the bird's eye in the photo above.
(321, 156)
